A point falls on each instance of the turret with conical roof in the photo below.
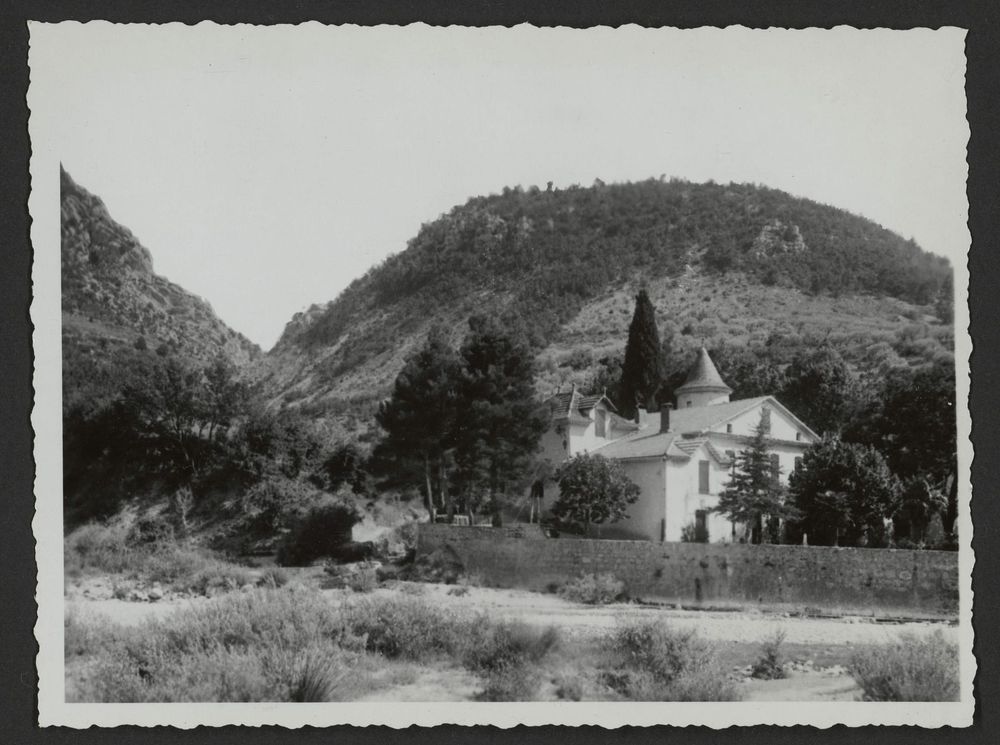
(704, 386)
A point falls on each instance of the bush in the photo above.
(324, 530)
(909, 669)
(516, 683)
(261, 646)
(508, 644)
(593, 589)
(408, 628)
(273, 577)
(769, 665)
(650, 662)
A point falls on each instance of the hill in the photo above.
(735, 264)
(112, 297)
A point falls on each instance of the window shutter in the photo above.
(703, 467)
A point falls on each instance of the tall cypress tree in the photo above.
(643, 369)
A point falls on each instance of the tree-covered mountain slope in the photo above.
(112, 296)
(732, 264)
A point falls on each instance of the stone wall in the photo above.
(850, 580)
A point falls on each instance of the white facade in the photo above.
(682, 460)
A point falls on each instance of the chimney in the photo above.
(665, 417)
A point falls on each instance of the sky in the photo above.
(266, 168)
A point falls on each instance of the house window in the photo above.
(775, 467)
(798, 464)
(689, 402)
(765, 420)
(703, 477)
(798, 436)
(729, 429)
(600, 425)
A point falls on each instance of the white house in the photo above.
(682, 458)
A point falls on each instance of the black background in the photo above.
(18, 702)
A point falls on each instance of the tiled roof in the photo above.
(703, 374)
(640, 445)
(589, 402)
(571, 403)
(698, 419)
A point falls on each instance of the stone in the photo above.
(156, 593)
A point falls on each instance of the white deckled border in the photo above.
(44, 102)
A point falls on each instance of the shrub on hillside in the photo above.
(322, 532)
(909, 669)
(650, 662)
(593, 589)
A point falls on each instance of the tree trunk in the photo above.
(446, 498)
(430, 492)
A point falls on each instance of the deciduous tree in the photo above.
(844, 492)
(592, 491)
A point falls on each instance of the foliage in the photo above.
(546, 253)
(754, 492)
(650, 662)
(593, 589)
(592, 491)
(909, 669)
(821, 389)
(769, 665)
(919, 502)
(120, 547)
(321, 532)
(421, 418)
(501, 425)
(844, 493)
(346, 464)
(260, 646)
(643, 368)
(407, 627)
(271, 507)
(508, 644)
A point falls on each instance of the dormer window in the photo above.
(599, 423)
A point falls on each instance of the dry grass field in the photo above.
(280, 636)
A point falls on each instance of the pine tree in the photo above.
(643, 368)
(754, 492)
(501, 423)
(420, 419)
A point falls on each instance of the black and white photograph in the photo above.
(421, 375)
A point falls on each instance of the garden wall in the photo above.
(884, 582)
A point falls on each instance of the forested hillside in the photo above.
(112, 297)
(554, 255)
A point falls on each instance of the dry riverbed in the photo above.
(816, 650)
